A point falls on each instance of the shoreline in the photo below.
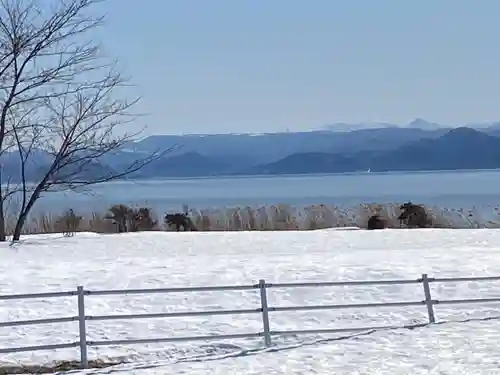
(279, 217)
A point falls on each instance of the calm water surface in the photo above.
(448, 189)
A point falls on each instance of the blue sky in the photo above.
(209, 66)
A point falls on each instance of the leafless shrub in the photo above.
(376, 222)
(142, 220)
(120, 215)
(68, 223)
(179, 220)
(414, 216)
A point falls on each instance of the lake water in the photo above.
(447, 189)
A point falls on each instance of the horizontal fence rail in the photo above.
(264, 310)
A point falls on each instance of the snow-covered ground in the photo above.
(146, 260)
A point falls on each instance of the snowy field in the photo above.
(148, 260)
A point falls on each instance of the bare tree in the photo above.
(58, 101)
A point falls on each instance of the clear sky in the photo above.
(208, 66)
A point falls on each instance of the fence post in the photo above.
(265, 312)
(84, 362)
(428, 298)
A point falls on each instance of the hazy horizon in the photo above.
(253, 66)
(326, 127)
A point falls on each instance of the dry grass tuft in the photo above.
(266, 218)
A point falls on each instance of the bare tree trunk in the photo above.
(23, 214)
(21, 220)
(3, 235)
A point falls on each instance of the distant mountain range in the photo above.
(460, 148)
(420, 145)
(417, 123)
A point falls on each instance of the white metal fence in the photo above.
(264, 310)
